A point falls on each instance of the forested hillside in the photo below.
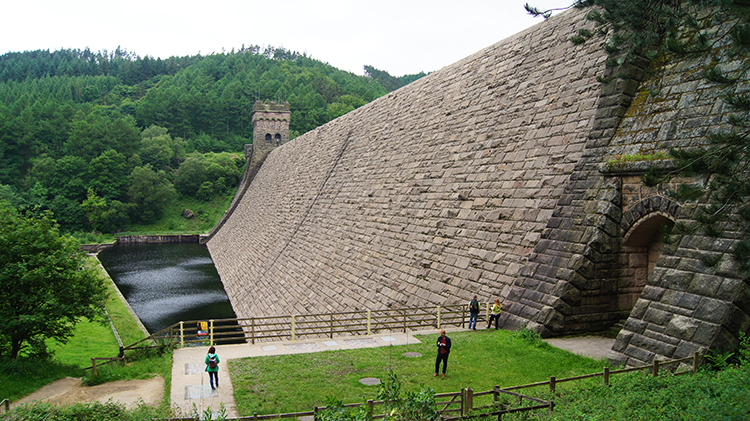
(109, 139)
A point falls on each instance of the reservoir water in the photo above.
(167, 283)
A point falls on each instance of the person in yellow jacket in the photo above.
(495, 314)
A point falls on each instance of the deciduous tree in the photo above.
(45, 287)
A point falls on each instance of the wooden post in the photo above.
(293, 327)
(371, 406)
(469, 400)
(495, 393)
(252, 330)
(331, 326)
(369, 322)
(182, 334)
(315, 413)
(255, 415)
(211, 330)
(655, 368)
(404, 314)
(605, 375)
(438, 317)
(550, 408)
(93, 366)
(462, 402)
(552, 384)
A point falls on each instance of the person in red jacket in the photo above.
(444, 349)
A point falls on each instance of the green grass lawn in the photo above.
(93, 339)
(20, 377)
(479, 359)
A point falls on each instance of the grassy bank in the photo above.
(23, 376)
(479, 359)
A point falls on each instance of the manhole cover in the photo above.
(370, 381)
(412, 354)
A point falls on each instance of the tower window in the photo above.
(278, 138)
(268, 137)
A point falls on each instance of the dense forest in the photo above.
(107, 140)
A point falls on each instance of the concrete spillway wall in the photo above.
(483, 178)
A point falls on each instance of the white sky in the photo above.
(398, 36)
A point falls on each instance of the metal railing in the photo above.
(303, 326)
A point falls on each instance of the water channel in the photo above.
(167, 283)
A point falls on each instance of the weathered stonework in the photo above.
(270, 130)
(491, 177)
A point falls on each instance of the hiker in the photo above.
(473, 313)
(495, 314)
(212, 367)
(444, 349)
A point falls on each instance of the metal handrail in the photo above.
(297, 326)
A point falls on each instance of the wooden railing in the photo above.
(460, 403)
(5, 403)
(606, 373)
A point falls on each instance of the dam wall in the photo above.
(431, 194)
(500, 175)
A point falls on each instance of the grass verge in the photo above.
(23, 376)
(479, 359)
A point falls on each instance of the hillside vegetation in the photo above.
(110, 141)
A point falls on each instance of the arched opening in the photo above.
(278, 138)
(268, 137)
(641, 249)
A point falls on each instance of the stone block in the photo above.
(682, 327)
(706, 333)
(657, 317)
(704, 284)
(712, 310)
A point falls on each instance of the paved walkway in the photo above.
(191, 390)
(190, 385)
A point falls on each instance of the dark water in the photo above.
(167, 283)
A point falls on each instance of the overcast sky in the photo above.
(398, 36)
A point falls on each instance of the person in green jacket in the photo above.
(495, 314)
(212, 367)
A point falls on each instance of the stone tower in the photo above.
(270, 129)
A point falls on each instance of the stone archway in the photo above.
(642, 245)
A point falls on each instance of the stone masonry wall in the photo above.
(428, 195)
(491, 177)
(588, 268)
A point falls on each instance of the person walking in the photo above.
(495, 314)
(444, 349)
(473, 313)
(212, 367)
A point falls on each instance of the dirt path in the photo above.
(128, 392)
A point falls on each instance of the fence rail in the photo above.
(606, 372)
